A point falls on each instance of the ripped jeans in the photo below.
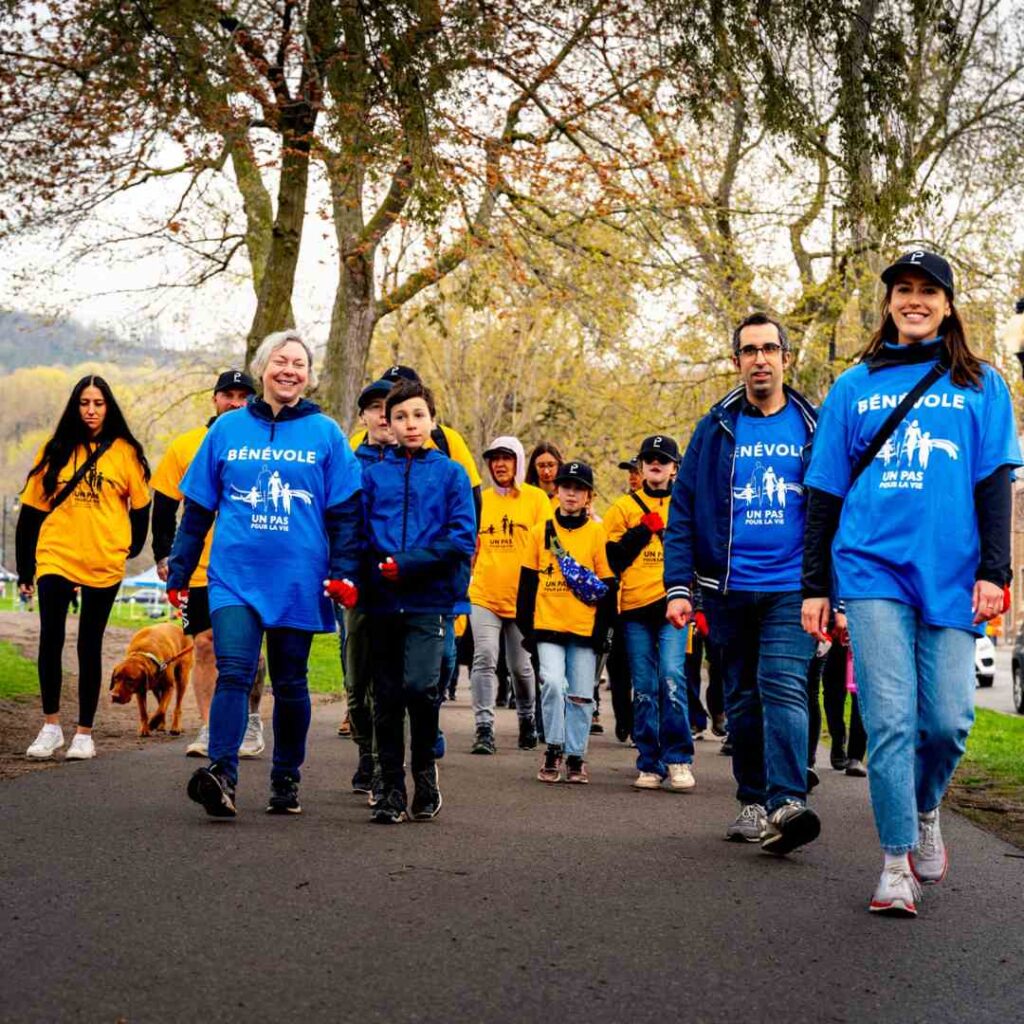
(567, 694)
(661, 719)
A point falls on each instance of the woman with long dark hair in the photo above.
(84, 512)
(909, 511)
(542, 467)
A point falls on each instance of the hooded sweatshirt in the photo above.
(507, 516)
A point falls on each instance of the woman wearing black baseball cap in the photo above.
(909, 511)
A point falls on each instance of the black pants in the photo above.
(830, 672)
(713, 694)
(620, 682)
(55, 593)
(407, 652)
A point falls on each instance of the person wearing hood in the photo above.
(284, 487)
(510, 509)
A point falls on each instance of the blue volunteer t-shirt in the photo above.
(768, 501)
(270, 489)
(908, 530)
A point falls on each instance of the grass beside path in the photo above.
(17, 673)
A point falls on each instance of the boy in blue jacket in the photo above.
(421, 526)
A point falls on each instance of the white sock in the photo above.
(928, 815)
(897, 860)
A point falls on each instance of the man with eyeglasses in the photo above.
(735, 530)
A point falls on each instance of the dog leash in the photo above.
(161, 665)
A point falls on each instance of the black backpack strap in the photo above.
(69, 487)
(440, 438)
(640, 501)
(894, 419)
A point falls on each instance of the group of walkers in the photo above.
(875, 529)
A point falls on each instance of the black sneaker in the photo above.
(527, 734)
(484, 742)
(596, 728)
(839, 759)
(812, 779)
(390, 809)
(426, 799)
(789, 826)
(718, 725)
(284, 796)
(362, 780)
(211, 788)
(726, 748)
(621, 732)
(376, 793)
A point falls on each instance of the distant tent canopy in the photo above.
(148, 578)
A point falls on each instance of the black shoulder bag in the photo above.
(894, 419)
(69, 488)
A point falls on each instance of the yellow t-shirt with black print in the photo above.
(642, 582)
(505, 524)
(167, 480)
(558, 610)
(87, 537)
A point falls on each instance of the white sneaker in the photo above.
(897, 892)
(680, 778)
(82, 748)
(199, 747)
(929, 860)
(253, 743)
(47, 743)
(647, 780)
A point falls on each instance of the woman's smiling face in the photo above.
(918, 306)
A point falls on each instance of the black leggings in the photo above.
(55, 594)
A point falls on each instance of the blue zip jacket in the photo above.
(419, 510)
(698, 538)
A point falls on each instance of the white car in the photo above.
(984, 661)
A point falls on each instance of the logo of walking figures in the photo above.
(768, 490)
(908, 453)
(271, 499)
(506, 528)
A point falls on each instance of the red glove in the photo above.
(700, 620)
(1007, 594)
(179, 598)
(389, 569)
(344, 592)
(653, 522)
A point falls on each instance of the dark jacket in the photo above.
(419, 511)
(698, 539)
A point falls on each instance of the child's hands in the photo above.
(389, 569)
(344, 592)
(653, 521)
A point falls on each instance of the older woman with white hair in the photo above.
(284, 487)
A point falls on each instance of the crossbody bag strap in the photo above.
(894, 419)
(551, 541)
(84, 468)
(644, 508)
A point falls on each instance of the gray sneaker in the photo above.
(253, 744)
(929, 860)
(749, 825)
(789, 826)
(199, 747)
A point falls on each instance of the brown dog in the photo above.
(159, 661)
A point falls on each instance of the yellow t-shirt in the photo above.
(642, 583)
(86, 539)
(505, 524)
(458, 450)
(167, 480)
(558, 610)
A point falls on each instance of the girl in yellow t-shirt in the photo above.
(84, 512)
(567, 632)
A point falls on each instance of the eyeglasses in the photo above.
(771, 348)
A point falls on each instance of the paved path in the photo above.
(998, 696)
(120, 901)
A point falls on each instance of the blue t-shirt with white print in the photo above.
(908, 530)
(768, 501)
(270, 485)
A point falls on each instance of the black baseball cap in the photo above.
(630, 464)
(396, 373)
(928, 263)
(659, 444)
(378, 389)
(231, 379)
(575, 473)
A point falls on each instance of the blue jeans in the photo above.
(915, 684)
(765, 657)
(567, 694)
(661, 719)
(237, 636)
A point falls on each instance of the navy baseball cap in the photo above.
(631, 464)
(396, 373)
(378, 389)
(928, 263)
(659, 444)
(575, 473)
(231, 379)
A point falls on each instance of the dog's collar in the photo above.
(160, 665)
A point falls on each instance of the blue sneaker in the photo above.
(440, 746)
